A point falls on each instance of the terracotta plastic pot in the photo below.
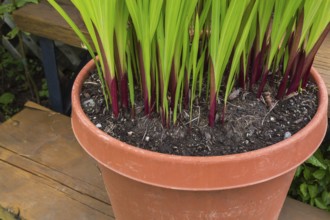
(147, 185)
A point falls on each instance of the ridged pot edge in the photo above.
(198, 173)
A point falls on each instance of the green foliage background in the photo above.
(14, 88)
(312, 179)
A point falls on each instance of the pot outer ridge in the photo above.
(209, 173)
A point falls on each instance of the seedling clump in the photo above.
(179, 61)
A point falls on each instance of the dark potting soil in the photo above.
(249, 123)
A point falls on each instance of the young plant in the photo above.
(145, 15)
(225, 25)
(120, 52)
(175, 17)
(301, 52)
(94, 15)
(174, 49)
(238, 52)
(263, 20)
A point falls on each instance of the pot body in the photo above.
(135, 200)
(148, 185)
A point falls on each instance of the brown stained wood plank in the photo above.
(76, 189)
(295, 210)
(39, 198)
(42, 20)
(46, 138)
(322, 64)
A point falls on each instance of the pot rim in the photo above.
(202, 160)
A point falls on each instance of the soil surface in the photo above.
(249, 123)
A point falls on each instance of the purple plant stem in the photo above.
(161, 89)
(112, 85)
(173, 83)
(254, 70)
(153, 91)
(124, 90)
(213, 103)
(293, 53)
(114, 99)
(241, 77)
(186, 91)
(297, 77)
(262, 83)
(123, 79)
(311, 55)
(306, 74)
(144, 83)
(223, 114)
(110, 81)
(248, 66)
(294, 68)
(260, 65)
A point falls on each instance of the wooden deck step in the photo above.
(322, 64)
(42, 20)
(45, 174)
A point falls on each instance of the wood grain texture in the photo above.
(322, 64)
(39, 198)
(42, 20)
(294, 210)
(44, 171)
